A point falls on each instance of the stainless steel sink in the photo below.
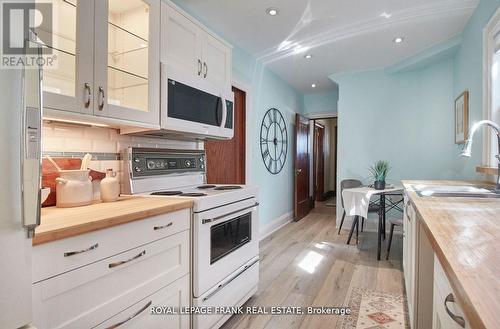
(454, 191)
(462, 195)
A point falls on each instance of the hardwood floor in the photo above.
(307, 264)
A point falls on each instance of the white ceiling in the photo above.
(342, 35)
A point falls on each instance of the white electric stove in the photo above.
(225, 225)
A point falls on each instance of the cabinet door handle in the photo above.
(128, 260)
(145, 307)
(406, 210)
(156, 228)
(206, 69)
(199, 67)
(89, 94)
(71, 253)
(458, 319)
(101, 98)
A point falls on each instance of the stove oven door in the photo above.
(224, 240)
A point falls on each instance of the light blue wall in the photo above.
(468, 76)
(267, 90)
(404, 118)
(321, 102)
(407, 118)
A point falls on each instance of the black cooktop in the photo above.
(171, 193)
(207, 186)
(193, 194)
(227, 187)
(167, 193)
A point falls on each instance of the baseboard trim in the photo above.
(275, 225)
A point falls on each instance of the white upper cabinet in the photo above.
(127, 60)
(181, 45)
(193, 55)
(68, 85)
(216, 62)
(108, 55)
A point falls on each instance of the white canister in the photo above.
(73, 188)
(110, 187)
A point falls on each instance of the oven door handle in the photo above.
(209, 220)
(222, 285)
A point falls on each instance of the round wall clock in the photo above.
(273, 141)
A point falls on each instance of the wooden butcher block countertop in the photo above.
(465, 235)
(60, 223)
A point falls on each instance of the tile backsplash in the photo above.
(63, 137)
(105, 144)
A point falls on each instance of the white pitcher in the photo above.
(110, 187)
(73, 188)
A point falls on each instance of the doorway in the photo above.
(226, 159)
(324, 161)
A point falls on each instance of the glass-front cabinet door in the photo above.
(127, 64)
(67, 84)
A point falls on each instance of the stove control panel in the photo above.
(151, 162)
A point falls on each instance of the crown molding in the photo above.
(419, 13)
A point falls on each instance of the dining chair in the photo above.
(346, 183)
(352, 183)
(394, 222)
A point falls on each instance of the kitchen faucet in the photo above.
(468, 144)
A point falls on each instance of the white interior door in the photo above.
(68, 84)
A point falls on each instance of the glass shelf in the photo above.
(126, 89)
(61, 79)
(128, 53)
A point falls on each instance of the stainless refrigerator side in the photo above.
(20, 148)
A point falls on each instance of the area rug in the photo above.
(372, 309)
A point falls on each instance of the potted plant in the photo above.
(379, 172)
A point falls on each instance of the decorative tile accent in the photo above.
(372, 309)
(95, 155)
(70, 138)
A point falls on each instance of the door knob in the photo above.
(298, 171)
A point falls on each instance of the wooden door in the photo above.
(302, 200)
(226, 159)
(319, 162)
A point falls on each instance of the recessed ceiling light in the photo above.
(398, 40)
(272, 11)
(313, 85)
(308, 56)
(385, 15)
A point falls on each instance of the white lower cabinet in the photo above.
(409, 257)
(418, 262)
(446, 314)
(112, 289)
(139, 315)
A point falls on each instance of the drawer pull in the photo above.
(71, 253)
(132, 316)
(162, 227)
(456, 318)
(128, 260)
